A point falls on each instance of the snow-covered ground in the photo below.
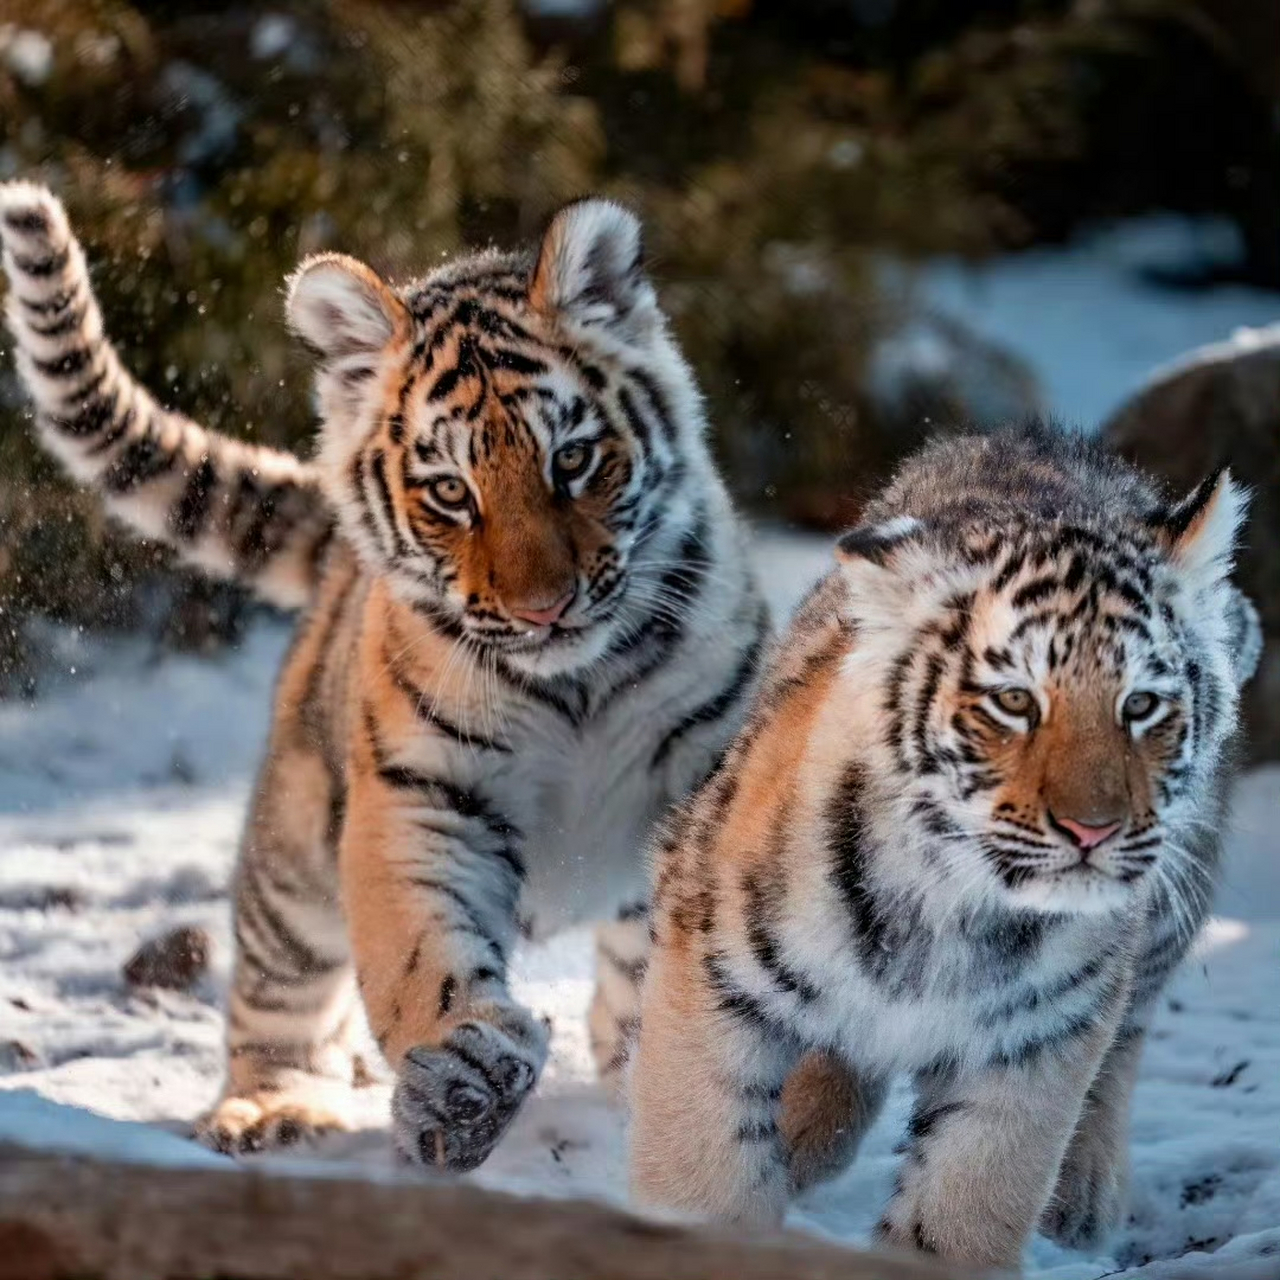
(1094, 319)
(121, 793)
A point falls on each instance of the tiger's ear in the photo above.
(876, 543)
(871, 559)
(344, 309)
(1199, 532)
(1245, 637)
(590, 269)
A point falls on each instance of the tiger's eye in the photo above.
(1139, 705)
(1014, 702)
(571, 460)
(450, 491)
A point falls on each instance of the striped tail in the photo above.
(236, 510)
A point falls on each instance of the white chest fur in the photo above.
(590, 797)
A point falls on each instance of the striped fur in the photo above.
(531, 627)
(897, 867)
(233, 509)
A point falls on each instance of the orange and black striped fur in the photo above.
(530, 626)
(969, 828)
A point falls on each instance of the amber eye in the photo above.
(450, 492)
(1014, 702)
(571, 460)
(1139, 705)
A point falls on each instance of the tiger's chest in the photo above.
(588, 796)
(591, 799)
(989, 994)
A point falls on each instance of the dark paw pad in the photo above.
(453, 1102)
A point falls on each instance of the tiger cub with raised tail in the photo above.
(530, 626)
(970, 826)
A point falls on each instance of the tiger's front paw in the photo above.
(240, 1125)
(1089, 1199)
(951, 1216)
(453, 1101)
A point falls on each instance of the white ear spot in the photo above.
(882, 565)
(343, 308)
(876, 542)
(1200, 531)
(590, 265)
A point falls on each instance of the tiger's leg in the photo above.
(827, 1108)
(1093, 1182)
(292, 1003)
(431, 886)
(985, 1147)
(622, 955)
(705, 1094)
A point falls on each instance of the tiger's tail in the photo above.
(239, 511)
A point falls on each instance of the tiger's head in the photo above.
(1057, 692)
(514, 439)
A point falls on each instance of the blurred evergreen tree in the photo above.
(772, 149)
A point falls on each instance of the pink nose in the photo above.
(544, 617)
(1085, 836)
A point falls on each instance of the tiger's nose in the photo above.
(544, 617)
(1084, 835)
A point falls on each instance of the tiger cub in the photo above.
(530, 626)
(969, 828)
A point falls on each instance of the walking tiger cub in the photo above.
(969, 828)
(530, 626)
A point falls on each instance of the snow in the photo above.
(1093, 319)
(562, 8)
(33, 1121)
(272, 34)
(121, 794)
(28, 54)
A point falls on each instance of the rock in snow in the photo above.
(174, 960)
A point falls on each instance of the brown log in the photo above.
(75, 1218)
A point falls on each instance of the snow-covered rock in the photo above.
(1094, 318)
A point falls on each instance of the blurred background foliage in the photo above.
(774, 150)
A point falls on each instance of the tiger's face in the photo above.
(1073, 738)
(510, 497)
(508, 438)
(1061, 705)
